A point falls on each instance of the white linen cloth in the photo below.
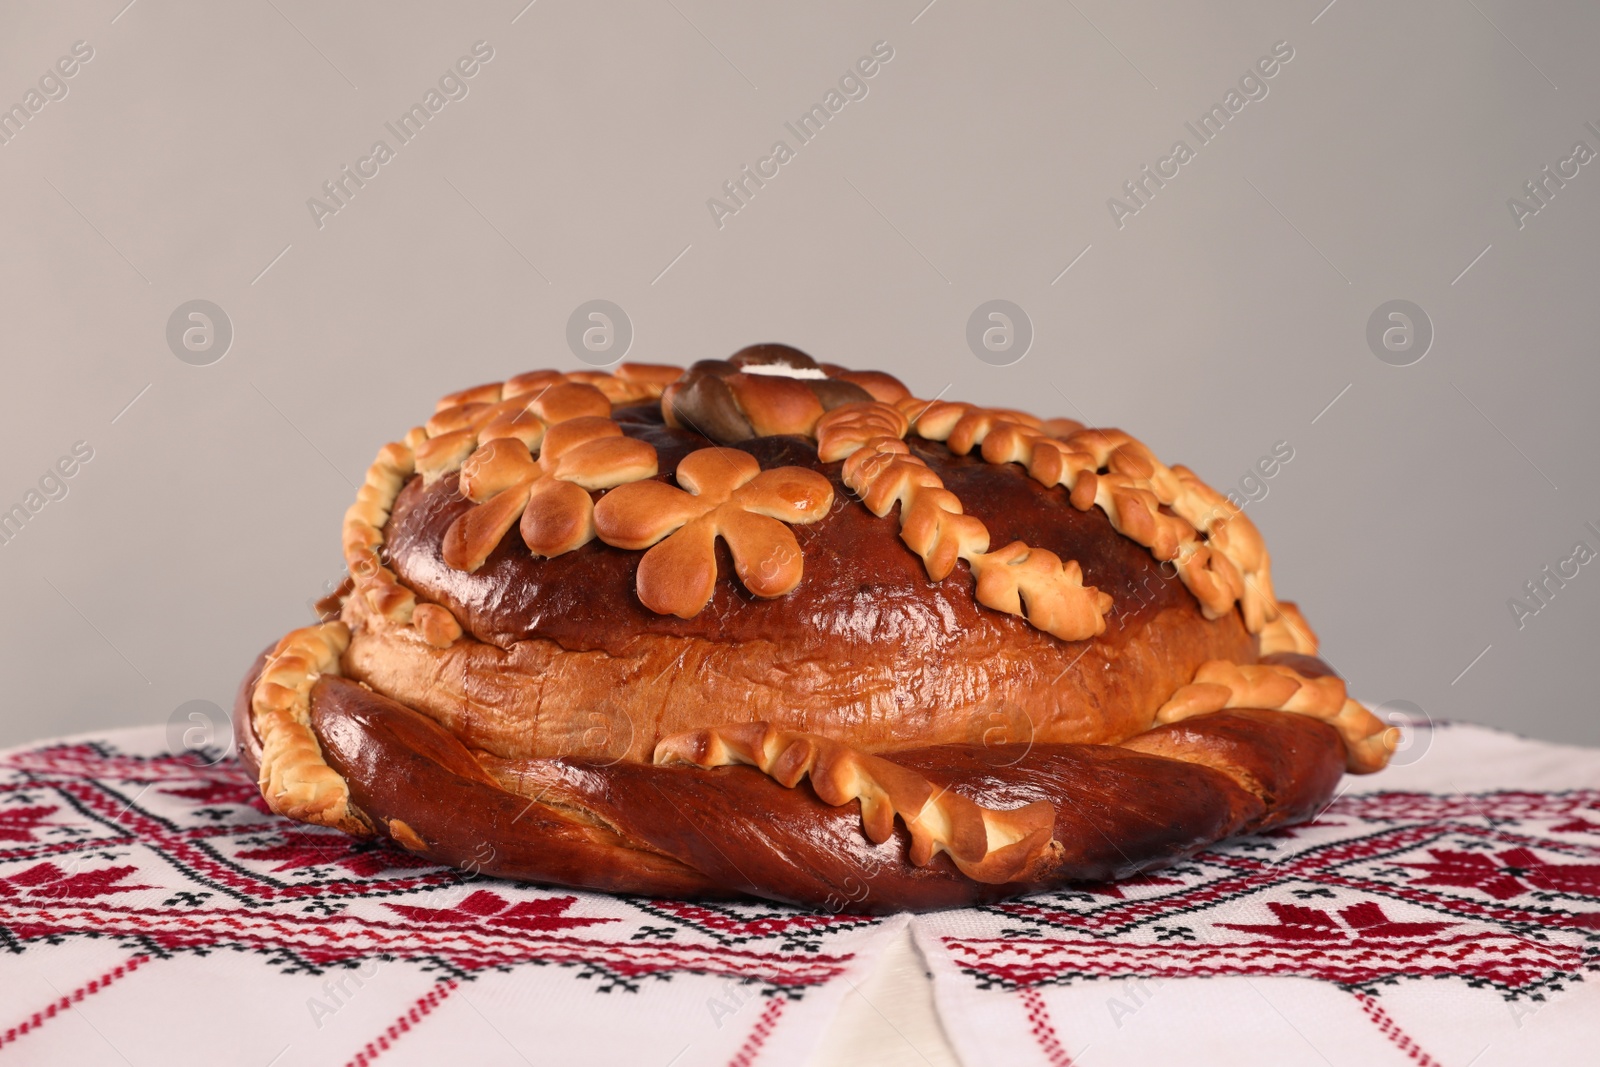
(1446, 912)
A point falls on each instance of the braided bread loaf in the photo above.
(775, 628)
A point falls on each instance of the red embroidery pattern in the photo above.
(48, 880)
(1043, 1030)
(414, 1015)
(20, 824)
(170, 856)
(759, 1033)
(1296, 923)
(1502, 889)
(166, 856)
(1509, 874)
(1390, 1029)
(529, 915)
(90, 988)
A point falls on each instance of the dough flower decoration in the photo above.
(549, 494)
(521, 409)
(472, 417)
(721, 492)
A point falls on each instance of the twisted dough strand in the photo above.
(986, 845)
(1219, 684)
(850, 426)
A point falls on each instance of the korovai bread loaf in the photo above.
(768, 627)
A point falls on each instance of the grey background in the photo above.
(1223, 318)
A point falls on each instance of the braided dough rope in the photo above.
(847, 429)
(674, 831)
(1017, 579)
(294, 779)
(725, 494)
(986, 845)
(1289, 632)
(375, 584)
(630, 384)
(1219, 685)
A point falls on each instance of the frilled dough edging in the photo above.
(295, 781)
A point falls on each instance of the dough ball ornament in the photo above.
(778, 580)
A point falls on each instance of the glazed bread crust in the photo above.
(776, 628)
(561, 659)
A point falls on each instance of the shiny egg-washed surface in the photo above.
(927, 647)
(866, 649)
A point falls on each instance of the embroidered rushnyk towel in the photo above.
(1443, 912)
(1446, 911)
(152, 912)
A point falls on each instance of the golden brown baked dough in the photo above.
(598, 594)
